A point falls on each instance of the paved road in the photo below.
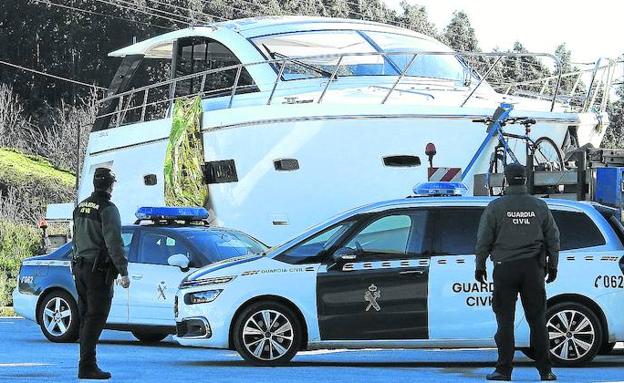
(25, 356)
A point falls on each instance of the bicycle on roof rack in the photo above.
(542, 152)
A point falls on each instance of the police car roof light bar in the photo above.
(440, 189)
(172, 213)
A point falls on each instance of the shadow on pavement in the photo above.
(119, 342)
(412, 364)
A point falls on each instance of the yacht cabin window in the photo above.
(195, 55)
(308, 53)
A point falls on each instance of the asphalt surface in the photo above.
(26, 356)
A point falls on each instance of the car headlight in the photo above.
(208, 281)
(201, 297)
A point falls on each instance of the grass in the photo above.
(18, 168)
(7, 312)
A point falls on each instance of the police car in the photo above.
(400, 274)
(161, 250)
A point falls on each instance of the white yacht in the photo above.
(277, 123)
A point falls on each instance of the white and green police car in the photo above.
(168, 243)
(400, 274)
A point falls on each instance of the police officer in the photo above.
(98, 258)
(519, 233)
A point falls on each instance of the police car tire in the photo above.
(148, 337)
(72, 333)
(254, 310)
(597, 338)
(606, 348)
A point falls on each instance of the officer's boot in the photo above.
(545, 376)
(92, 371)
(497, 375)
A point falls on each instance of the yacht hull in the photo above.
(339, 151)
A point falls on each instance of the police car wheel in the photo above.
(149, 337)
(575, 334)
(606, 348)
(58, 317)
(267, 334)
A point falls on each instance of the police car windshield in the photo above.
(310, 250)
(220, 245)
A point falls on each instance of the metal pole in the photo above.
(481, 81)
(333, 76)
(78, 165)
(279, 76)
(581, 177)
(144, 104)
(591, 85)
(238, 72)
(530, 171)
(399, 79)
(552, 105)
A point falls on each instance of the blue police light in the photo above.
(172, 213)
(440, 189)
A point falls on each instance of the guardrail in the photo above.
(155, 101)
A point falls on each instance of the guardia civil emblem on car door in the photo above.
(160, 290)
(371, 296)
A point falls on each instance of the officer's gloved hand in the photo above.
(481, 276)
(551, 275)
(125, 282)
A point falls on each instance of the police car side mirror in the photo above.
(344, 255)
(179, 260)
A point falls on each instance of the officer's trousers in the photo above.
(524, 277)
(95, 294)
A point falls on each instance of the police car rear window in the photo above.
(577, 230)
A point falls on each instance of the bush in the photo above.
(17, 242)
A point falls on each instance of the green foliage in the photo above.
(337, 8)
(184, 156)
(18, 168)
(460, 34)
(7, 312)
(28, 184)
(415, 18)
(17, 242)
(614, 137)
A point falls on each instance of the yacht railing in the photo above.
(155, 101)
(600, 74)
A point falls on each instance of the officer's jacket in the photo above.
(517, 226)
(97, 231)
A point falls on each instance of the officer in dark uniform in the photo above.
(97, 260)
(519, 233)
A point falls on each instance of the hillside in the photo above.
(18, 169)
(28, 183)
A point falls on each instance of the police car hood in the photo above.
(231, 266)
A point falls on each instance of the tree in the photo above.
(460, 34)
(303, 7)
(337, 8)
(614, 137)
(372, 10)
(565, 58)
(415, 17)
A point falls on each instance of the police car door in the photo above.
(382, 294)
(119, 305)
(153, 282)
(460, 308)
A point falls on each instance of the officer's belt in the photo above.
(84, 258)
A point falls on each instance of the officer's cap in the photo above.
(515, 173)
(103, 178)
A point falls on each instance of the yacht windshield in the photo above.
(322, 50)
(445, 67)
(306, 47)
